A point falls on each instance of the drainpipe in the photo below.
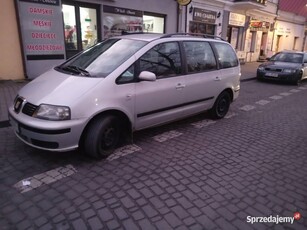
(275, 19)
(305, 37)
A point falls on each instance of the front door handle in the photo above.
(180, 86)
(217, 78)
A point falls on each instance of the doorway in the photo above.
(81, 26)
(263, 44)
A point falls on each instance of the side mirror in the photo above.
(147, 76)
(268, 59)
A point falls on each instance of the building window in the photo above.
(295, 43)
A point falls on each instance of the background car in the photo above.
(289, 66)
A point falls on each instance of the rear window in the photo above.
(227, 58)
(102, 59)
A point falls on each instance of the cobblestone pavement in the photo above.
(192, 174)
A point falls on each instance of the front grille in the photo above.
(29, 109)
(273, 69)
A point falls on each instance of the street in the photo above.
(196, 173)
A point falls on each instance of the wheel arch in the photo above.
(230, 91)
(123, 118)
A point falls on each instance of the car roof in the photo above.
(292, 51)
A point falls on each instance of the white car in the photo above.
(125, 84)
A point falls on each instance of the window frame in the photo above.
(182, 63)
(186, 57)
(220, 66)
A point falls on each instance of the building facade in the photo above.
(44, 33)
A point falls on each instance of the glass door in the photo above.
(81, 26)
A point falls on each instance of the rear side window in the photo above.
(227, 58)
(199, 56)
(163, 60)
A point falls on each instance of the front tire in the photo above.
(221, 106)
(102, 137)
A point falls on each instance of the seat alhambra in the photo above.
(122, 85)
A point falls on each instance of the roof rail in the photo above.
(193, 34)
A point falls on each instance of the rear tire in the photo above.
(102, 137)
(221, 106)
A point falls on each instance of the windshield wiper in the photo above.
(76, 69)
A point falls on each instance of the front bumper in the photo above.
(47, 135)
(279, 76)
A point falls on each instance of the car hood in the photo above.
(57, 88)
(280, 65)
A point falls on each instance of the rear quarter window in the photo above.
(227, 58)
(199, 56)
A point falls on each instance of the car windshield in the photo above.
(288, 57)
(101, 59)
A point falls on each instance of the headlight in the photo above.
(52, 112)
(289, 70)
(260, 68)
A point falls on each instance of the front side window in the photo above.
(163, 60)
(226, 56)
(102, 59)
(127, 76)
(199, 57)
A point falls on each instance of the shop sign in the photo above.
(41, 31)
(203, 15)
(184, 2)
(257, 25)
(236, 19)
(123, 11)
(47, 2)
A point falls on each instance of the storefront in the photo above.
(204, 19)
(259, 38)
(54, 30)
(236, 33)
(288, 36)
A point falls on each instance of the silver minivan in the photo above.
(124, 84)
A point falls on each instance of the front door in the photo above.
(160, 101)
(81, 26)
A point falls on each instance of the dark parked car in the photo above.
(289, 66)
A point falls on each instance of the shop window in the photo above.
(88, 20)
(201, 28)
(69, 15)
(199, 57)
(115, 24)
(80, 26)
(233, 36)
(153, 23)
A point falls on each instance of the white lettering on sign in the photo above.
(50, 1)
(42, 23)
(42, 35)
(44, 11)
